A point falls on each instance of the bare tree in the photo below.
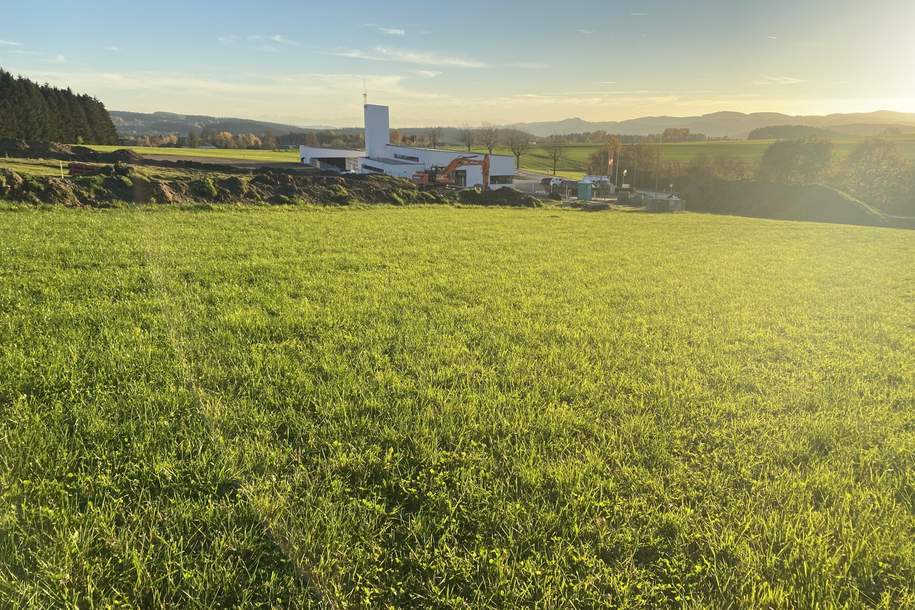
(519, 143)
(467, 137)
(554, 149)
(434, 135)
(488, 136)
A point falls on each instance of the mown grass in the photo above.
(576, 158)
(282, 156)
(33, 167)
(449, 407)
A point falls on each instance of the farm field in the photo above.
(34, 167)
(575, 158)
(451, 407)
(291, 156)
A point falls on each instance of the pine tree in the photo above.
(35, 113)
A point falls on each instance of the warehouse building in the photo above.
(382, 157)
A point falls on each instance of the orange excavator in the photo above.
(438, 176)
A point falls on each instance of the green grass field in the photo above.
(446, 407)
(575, 158)
(34, 167)
(286, 156)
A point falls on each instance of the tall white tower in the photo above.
(377, 130)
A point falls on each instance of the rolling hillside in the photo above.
(728, 124)
(146, 124)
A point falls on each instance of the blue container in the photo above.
(585, 191)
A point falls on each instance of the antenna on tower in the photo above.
(365, 93)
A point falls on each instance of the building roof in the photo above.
(445, 150)
(389, 161)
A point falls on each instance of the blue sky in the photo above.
(470, 62)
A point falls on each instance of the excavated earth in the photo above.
(205, 183)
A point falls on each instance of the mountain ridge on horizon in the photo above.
(721, 124)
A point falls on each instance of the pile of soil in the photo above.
(264, 187)
(501, 197)
(64, 152)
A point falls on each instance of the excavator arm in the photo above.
(446, 175)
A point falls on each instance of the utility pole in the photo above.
(657, 166)
(618, 162)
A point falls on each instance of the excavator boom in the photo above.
(445, 177)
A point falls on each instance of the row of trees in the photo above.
(875, 171)
(33, 112)
(197, 138)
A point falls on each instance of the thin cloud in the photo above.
(56, 59)
(262, 41)
(773, 37)
(528, 65)
(387, 54)
(427, 73)
(112, 49)
(390, 31)
(777, 80)
(280, 39)
(638, 14)
(584, 32)
(9, 43)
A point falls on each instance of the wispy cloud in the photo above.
(408, 57)
(585, 32)
(9, 43)
(427, 73)
(528, 65)
(777, 80)
(259, 42)
(280, 39)
(390, 31)
(638, 14)
(56, 59)
(112, 49)
(772, 37)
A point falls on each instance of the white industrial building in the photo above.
(382, 157)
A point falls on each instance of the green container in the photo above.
(585, 191)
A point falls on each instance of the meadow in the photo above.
(456, 408)
(575, 157)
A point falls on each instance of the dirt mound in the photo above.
(121, 183)
(65, 152)
(503, 197)
(815, 203)
(14, 187)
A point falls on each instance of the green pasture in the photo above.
(453, 408)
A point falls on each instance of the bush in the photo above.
(204, 188)
(796, 161)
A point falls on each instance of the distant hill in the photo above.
(718, 125)
(728, 124)
(159, 123)
(790, 132)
